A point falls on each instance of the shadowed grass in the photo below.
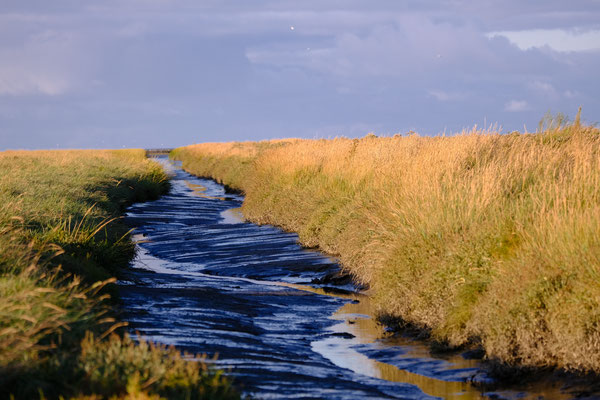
(477, 238)
(119, 365)
(61, 243)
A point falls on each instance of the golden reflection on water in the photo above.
(357, 318)
(230, 216)
(199, 190)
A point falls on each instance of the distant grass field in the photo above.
(479, 238)
(61, 243)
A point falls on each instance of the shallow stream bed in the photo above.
(208, 282)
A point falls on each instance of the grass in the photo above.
(478, 237)
(61, 243)
(227, 163)
(120, 364)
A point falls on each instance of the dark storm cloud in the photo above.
(155, 72)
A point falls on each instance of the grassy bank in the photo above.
(478, 237)
(61, 242)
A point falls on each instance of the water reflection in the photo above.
(200, 191)
(232, 216)
(357, 327)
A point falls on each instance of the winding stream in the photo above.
(208, 282)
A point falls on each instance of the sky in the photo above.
(167, 73)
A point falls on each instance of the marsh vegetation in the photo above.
(61, 244)
(480, 238)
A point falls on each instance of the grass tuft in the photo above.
(120, 365)
(61, 243)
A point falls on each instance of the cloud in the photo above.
(570, 94)
(544, 89)
(412, 47)
(516, 106)
(130, 70)
(384, 50)
(43, 62)
(19, 82)
(441, 95)
(562, 40)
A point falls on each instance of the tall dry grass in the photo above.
(479, 237)
(227, 163)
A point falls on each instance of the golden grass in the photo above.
(479, 236)
(227, 163)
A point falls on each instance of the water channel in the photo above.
(208, 282)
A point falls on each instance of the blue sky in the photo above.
(153, 73)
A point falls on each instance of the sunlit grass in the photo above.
(478, 237)
(61, 244)
(120, 365)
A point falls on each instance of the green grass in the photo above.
(61, 243)
(120, 365)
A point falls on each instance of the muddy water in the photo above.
(208, 282)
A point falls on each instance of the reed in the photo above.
(479, 238)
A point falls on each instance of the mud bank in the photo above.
(208, 282)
